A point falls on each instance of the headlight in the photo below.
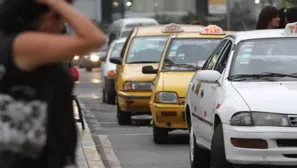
(94, 57)
(259, 119)
(76, 57)
(166, 97)
(138, 85)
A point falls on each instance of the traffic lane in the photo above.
(89, 84)
(133, 145)
(126, 146)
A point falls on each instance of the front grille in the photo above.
(293, 120)
(286, 142)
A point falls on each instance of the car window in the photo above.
(265, 55)
(146, 49)
(188, 51)
(212, 60)
(116, 50)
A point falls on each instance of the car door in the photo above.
(203, 95)
(212, 102)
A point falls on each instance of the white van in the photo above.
(123, 27)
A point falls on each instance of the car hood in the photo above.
(133, 72)
(278, 97)
(177, 82)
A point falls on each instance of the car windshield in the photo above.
(146, 49)
(116, 50)
(266, 56)
(188, 54)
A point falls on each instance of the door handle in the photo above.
(202, 93)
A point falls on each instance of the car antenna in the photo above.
(244, 25)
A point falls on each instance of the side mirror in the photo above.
(149, 70)
(208, 76)
(116, 60)
(74, 73)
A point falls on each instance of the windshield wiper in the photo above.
(141, 62)
(264, 75)
(184, 65)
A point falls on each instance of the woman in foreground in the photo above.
(37, 127)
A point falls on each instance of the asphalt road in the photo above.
(126, 146)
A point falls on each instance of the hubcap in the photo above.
(191, 144)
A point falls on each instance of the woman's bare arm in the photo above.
(34, 49)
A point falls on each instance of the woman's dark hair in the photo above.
(20, 15)
(265, 16)
(291, 15)
(282, 17)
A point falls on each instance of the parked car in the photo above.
(109, 70)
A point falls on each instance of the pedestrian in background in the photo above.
(291, 15)
(37, 126)
(282, 18)
(268, 18)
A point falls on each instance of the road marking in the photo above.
(109, 153)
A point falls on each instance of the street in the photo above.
(126, 146)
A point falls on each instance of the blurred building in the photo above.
(150, 8)
(91, 8)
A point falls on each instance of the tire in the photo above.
(124, 118)
(103, 95)
(218, 156)
(89, 69)
(199, 157)
(110, 97)
(160, 135)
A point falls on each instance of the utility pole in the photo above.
(123, 8)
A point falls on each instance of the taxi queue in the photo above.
(214, 84)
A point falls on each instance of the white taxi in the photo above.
(241, 106)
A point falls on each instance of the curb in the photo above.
(88, 146)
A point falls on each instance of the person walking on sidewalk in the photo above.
(37, 126)
(268, 18)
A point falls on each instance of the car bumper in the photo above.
(135, 102)
(282, 145)
(168, 115)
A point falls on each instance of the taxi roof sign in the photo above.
(172, 28)
(291, 29)
(212, 30)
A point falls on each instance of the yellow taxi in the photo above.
(184, 54)
(144, 46)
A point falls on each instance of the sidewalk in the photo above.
(87, 155)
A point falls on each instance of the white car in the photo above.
(108, 71)
(241, 107)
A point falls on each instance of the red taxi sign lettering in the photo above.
(212, 29)
(172, 28)
(291, 29)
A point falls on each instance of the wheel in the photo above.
(218, 156)
(160, 134)
(89, 69)
(109, 97)
(198, 157)
(103, 95)
(124, 118)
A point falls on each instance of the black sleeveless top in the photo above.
(52, 85)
